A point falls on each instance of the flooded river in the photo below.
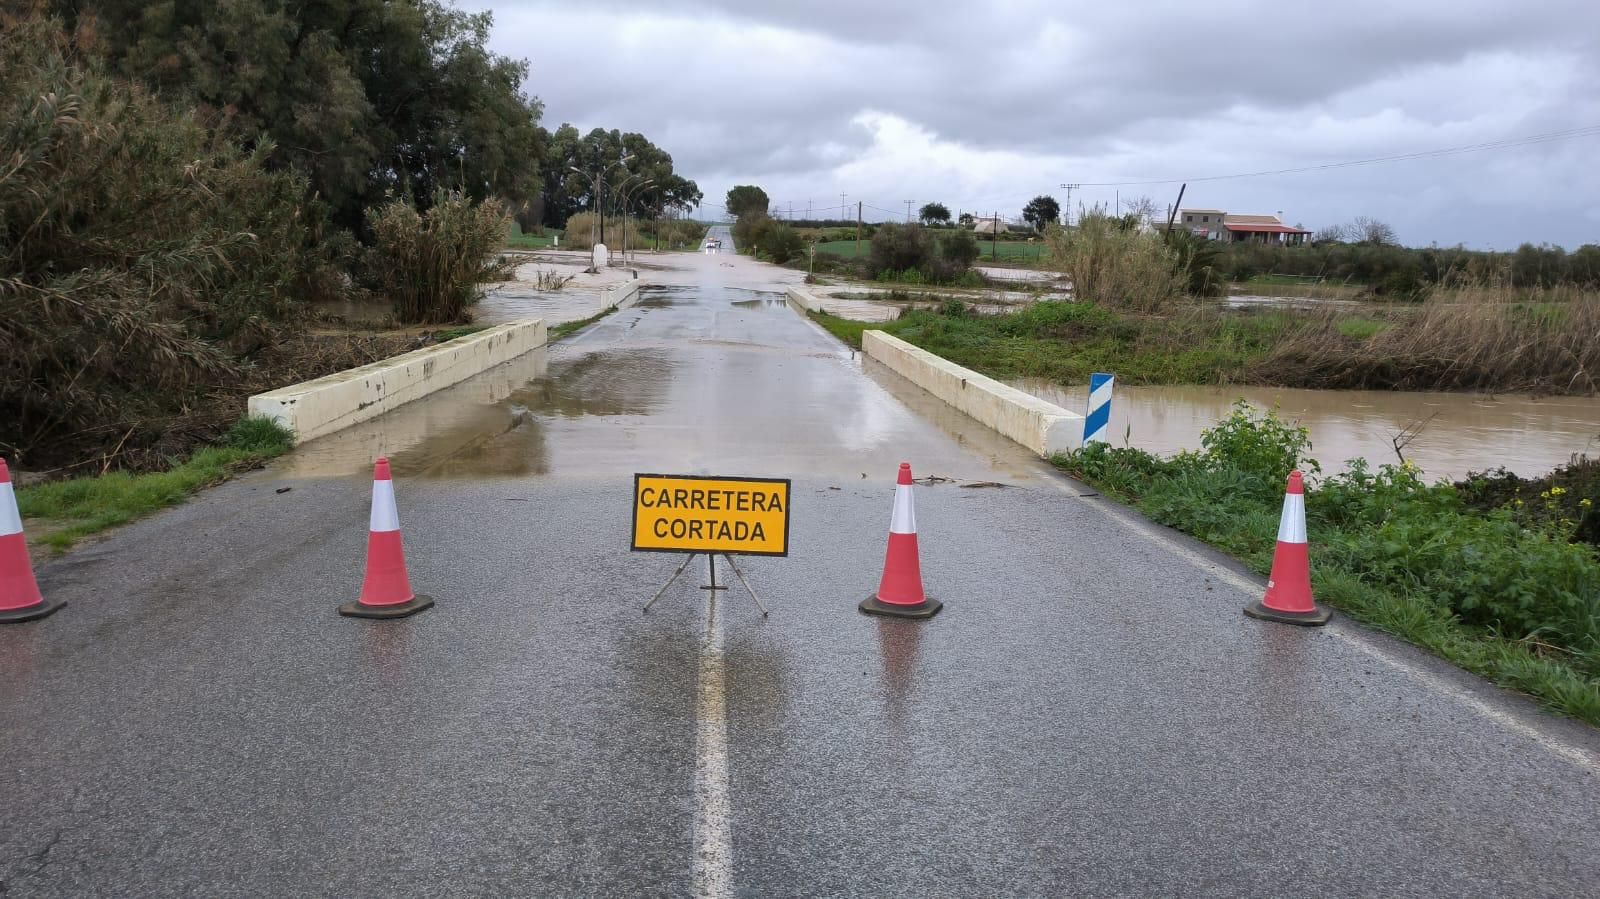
(1459, 432)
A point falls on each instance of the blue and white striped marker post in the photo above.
(1098, 420)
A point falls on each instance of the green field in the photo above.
(517, 240)
(1009, 250)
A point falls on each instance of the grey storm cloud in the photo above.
(993, 102)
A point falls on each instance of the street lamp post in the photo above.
(626, 191)
(597, 189)
(620, 193)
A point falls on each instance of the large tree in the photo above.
(1041, 211)
(744, 199)
(611, 160)
(367, 97)
(934, 214)
(1144, 208)
(1364, 229)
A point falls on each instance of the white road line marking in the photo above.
(713, 843)
(1583, 758)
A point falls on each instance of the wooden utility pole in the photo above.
(994, 237)
(858, 228)
(1172, 212)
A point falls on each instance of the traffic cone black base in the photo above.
(926, 609)
(360, 609)
(34, 612)
(1315, 618)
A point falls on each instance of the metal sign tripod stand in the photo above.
(711, 565)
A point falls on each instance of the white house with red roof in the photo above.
(1215, 224)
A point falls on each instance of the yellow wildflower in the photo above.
(1557, 491)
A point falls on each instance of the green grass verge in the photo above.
(1495, 592)
(76, 508)
(848, 330)
(520, 241)
(1066, 342)
(559, 331)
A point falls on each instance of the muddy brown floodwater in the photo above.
(1459, 432)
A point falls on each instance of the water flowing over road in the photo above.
(1090, 715)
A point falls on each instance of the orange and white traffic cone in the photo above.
(900, 591)
(386, 592)
(20, 599)
(1288, 596)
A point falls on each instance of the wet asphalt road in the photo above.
(1091, 715)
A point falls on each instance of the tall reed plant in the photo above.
(1116, 266)
(432, 264)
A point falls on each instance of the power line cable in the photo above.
(1548, 137)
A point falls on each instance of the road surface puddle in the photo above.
(1454, 432)
(493, 424)
(728, 381)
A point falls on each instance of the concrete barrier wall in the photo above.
(314, 408)
(623, 295)
(1043, 427)
(805, 299)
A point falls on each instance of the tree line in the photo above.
(183, 180)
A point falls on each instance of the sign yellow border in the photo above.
(714, 549)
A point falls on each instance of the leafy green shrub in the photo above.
(1491, 569)
(430, 265)
(1198, 263)
(1583, 266)
(1123, 471)
(781, 243)
(899, 248)
(750, 229)
(1565, 500)
(143, 256)
(959, 249)
(1264, 446)
(1538, 266)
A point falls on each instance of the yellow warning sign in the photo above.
(683, 514)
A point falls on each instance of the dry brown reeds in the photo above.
(1483, 337)
(582, 232)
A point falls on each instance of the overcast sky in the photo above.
(982, 104)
